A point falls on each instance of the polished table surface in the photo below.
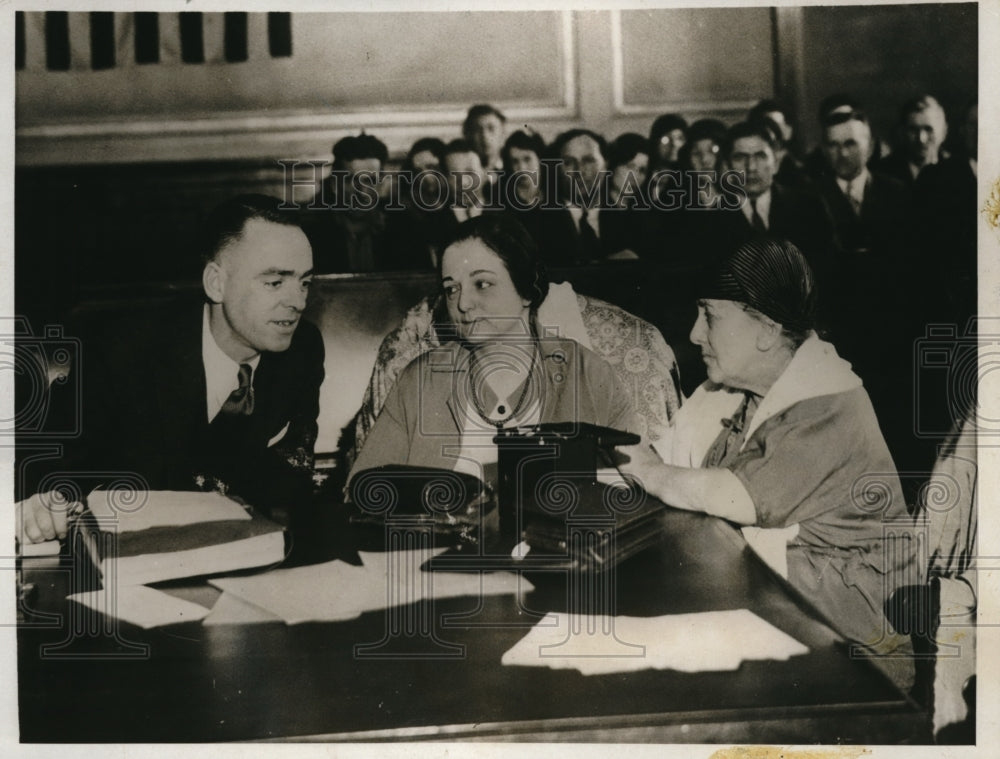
(196, 683)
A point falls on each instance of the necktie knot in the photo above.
(240, 401)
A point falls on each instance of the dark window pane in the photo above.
(192, 38)
(19, 39)
(57, 40)
(279, 34)
(147, 37)
(235, 38)
(102, 40)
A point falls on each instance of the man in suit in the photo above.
(217, 394)
(572, 231)
(790, 171)
(945, 198)
(922, 129)
(871, 210)
(350, 224)
(764, 206)
(874, 222)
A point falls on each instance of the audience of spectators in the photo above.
(873, 227)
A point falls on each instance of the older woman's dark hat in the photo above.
(771, 276)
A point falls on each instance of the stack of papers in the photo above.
(337, 591)
(167, 535)
(702, 642)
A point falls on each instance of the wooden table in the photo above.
(261, 681)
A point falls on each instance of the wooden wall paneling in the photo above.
(885, 55)
(180, 111)
(34, 41)
(170, 39)
(789, 56)
(214, 33)
(691, 59)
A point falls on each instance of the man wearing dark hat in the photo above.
(782, 439)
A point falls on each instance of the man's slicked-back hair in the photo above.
(476, 112)
(356, 147)
(555, 149)
(523, 139)
(458, 145)
(837, 101)
(919, 104)
(842, 117)
(226, 222)
(765, 129)
(625, 147)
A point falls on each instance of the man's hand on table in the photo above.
(42, 517)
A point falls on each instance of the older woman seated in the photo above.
(783, 437)
(499, 370)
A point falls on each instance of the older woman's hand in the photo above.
(713, 491)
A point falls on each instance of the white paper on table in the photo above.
(327, 592)
(230, 609)
(441, 584)
(140, 510)
(336, 591)
(698, 642)
(141, 605)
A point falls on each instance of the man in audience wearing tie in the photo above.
(874, 223)
(768, 207)
(571, 223)
(870, 209)
(216, 394)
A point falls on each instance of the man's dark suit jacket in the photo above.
(798, 216)
(876, 259)
(144, 410)
(881, 229)
(436, 229)
(341, 240)
(560, 243)
(896, 166)
(945, 198)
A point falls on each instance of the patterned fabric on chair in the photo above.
(634, 347)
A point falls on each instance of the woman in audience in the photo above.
(666, 138)
(522, 190)
(628, 161)
(701, 160)
(624, 230)
(782, 438)
(424, 155)
(497, 371)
